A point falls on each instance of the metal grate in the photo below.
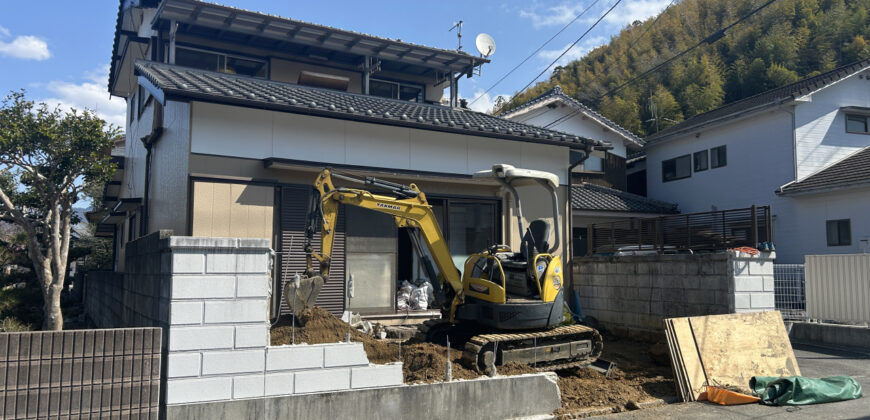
(713, 230)
(789, 285)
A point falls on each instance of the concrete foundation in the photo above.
(488, 398)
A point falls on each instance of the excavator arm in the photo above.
(408, 207)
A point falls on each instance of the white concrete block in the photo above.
(201, 338)
(237, 361)
(180, 391)
(762, 267)
(768, 283)
(236, 311)
(183, 364)
(300, 356)
(279, 383)
(248, 386)
(748, 284)
(347, 354)
(185, 313)
(741, 301)
(252, 336)
(741, 267)
(253, 286)
(376, 375)
(188, 262)
(321, 380)
(762, 300)
(220, 261)
(203, 287)
(252, 262)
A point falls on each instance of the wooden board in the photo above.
(693, 368)
(735, 347)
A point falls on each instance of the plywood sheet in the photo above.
(691, 361)
(735, 347)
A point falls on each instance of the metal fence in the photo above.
(838, 287)
(713, 230)
(789, 286)
(112, 373)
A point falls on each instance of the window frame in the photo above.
(863, 117)
(676, 177)
(837, 223)
(399, 84)
(719, 163)
(705, 153)
(227, 54)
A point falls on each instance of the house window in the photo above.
(856, 124)
(396, 90)
(718, 157)
(224, 63)
(677, 168)
(144, 98)
(839, 232)
(701, 161)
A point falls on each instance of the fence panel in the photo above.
(789, 285)
(111, 373)
(838, 287)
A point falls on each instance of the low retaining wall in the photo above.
(487, 398)
(634, 294)
(831, 334)
(110, 373)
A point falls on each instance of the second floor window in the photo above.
(396, 90)
(839, 232)
(677, 168)
(220, 62)
(718, 157)
(856, 124)
(701, 161)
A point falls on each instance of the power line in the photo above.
(710, 39)
(536, 51)
(634, 42)
(571, 46)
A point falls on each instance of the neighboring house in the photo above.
(800, 148)
(601, 180)
(232, 113)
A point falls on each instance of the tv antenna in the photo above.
(458, 27)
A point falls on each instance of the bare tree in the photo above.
(47, 158)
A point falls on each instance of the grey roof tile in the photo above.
(177, 81)
(770, 97)
(557, 93)
(586, 196)
(850, 171)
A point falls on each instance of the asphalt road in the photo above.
(814, 361)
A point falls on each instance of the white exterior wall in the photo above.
(811, 211)
(259, 134)
(820, 132)
(579, 125)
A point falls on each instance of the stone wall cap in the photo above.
(200, 242)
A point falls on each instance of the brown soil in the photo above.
(637, 379)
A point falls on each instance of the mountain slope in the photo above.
(788, 40)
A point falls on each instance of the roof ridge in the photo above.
(797, 184)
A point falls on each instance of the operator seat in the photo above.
(536, 235)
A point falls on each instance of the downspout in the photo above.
(569, 242)
(149, 141)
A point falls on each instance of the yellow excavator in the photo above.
(505, 306)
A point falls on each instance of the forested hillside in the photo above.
(788, 40)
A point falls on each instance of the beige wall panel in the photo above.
(232, 210)
(302, 137)
(231, 130)
(439, 152)
(378, 145)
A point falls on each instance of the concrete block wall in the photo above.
(211, 297)
(634, 294)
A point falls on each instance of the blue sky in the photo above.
(59, 50)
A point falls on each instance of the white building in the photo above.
(800, 148)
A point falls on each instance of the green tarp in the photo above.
(797, 390)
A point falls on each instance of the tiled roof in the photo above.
(586, 196)
(176, 81)
(851, 171)
(556, 93)
(762, 100)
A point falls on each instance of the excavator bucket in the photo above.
(302, 292)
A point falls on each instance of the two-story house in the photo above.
(231, 113)
(599, 185)
(801, 148)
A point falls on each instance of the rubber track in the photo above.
(476, 343)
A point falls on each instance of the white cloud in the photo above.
(575, 53)
(26, 47)
(485, 103)
(631, 11)
(552, 15)
(90, 93)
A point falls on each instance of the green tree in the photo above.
(48, 156)
(664, 110)
(778, 75)
(623, 112)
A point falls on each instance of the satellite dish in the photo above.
(485, 45)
